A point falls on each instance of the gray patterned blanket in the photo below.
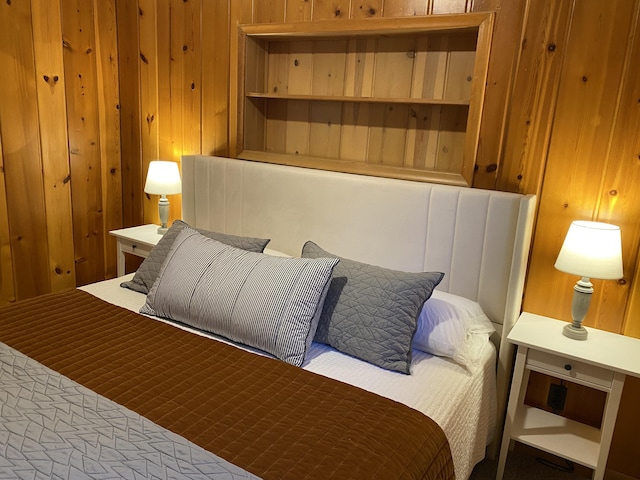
(53, 428)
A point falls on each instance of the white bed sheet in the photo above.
(463, 404)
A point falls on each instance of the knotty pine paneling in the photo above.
(83, 120)
(149, 38)
(506, 37)
(7, 291)
(157, 83)
(361, 9)
(131, 119)
(50, 86)
(109, 120)
(331, 9)
(405, 8)
(573, 139)
(60, 145)
(269, 11)
(620, 195)
(543, 45)
(579, 161)
(298, 11)
(22, 156)
(215, 83)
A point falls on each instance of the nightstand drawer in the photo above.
(137, 248)
(570, 370)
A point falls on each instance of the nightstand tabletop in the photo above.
(616, 352)
(144, 233)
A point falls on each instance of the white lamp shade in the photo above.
(593, 250)
(163, 178)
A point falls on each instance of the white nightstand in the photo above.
(601, 362)
(135, 240)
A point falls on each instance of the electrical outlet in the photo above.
(557, 397)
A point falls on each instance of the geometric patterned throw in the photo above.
(54, 428)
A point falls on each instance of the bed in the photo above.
(225, 409)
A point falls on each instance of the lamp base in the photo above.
(576, 333)
(163, 213)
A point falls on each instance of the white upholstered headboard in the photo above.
(478, 238)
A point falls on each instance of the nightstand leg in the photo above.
(121, 260)
(518, 387)
(608, 423)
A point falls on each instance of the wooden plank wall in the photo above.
(92, 90)
(573, 138)
(60, 131)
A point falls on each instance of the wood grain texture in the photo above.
(632, 326)
(404, 8)
(19, 125)
(578, 159)
(325, 129)
(127, 17)
(331, 10)
(53, 138)
(620, 195)
(149, 98)
(355, 131)
(84, 139)
(449, 6)
(328, 70)
(391, 63)
(366, 9)
(298, 10)
(506, 37)
(526, 142)
(269, 11)
(215, 77)
(7, 290)
(544, 130)
(542, 48)
(240, 13)
(573, 139)
(109, 117)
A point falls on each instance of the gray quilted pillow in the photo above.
(371, 312)
(150, 267)
(270, 303)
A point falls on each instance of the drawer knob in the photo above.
(134, 246)
(568, 367)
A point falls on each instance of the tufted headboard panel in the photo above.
(479, 238)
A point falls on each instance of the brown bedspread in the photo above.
(268, 417)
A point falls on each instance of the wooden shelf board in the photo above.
(405, 173)
(327, 98)
(558, 435)
(372, 26)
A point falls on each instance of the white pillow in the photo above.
(275, 253)
(453, 326)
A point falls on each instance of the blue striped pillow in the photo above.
(266, 302)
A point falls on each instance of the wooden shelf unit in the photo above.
(398, 97)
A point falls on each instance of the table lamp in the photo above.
(163, 178)
(590, 250)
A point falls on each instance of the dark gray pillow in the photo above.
(150, 267)
(267, 302)
(371, 312)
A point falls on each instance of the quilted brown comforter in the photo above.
(270, 418)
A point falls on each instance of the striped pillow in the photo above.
(266, 302)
